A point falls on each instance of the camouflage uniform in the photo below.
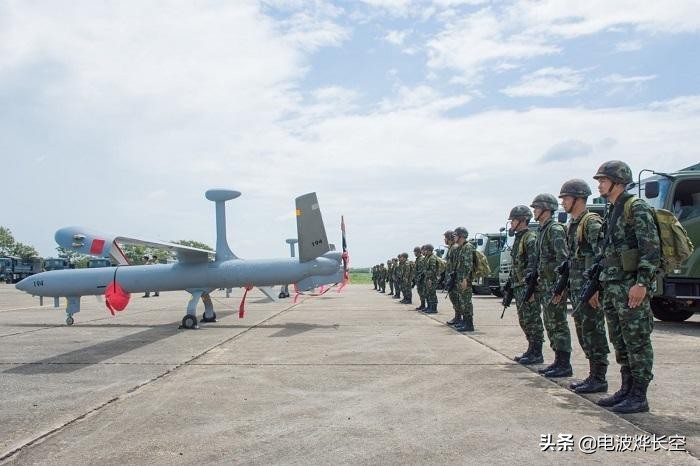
(524, 261)
(381, 278)
(397, 278)
(450, 258)
(552, 251)
(463, 267)
(374, 276)
(590, 322)
(430, 272)
(407, 274)
(629, 328)
(420, 280)
(390, 275)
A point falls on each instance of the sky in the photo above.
(408, 117)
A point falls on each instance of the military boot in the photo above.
(621, 394)
(455, 320)
(422, 305)
(636, 400)
(596, 380)
(551, 366)
(564, 368)
(579, 383)
(432, 309)
(535, 357)
(467, 324)
(526, 353)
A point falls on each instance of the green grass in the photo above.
(360, 277)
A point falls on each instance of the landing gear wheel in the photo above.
(69, 320)
(282, 295)
(189, 322)
(208, 319)
(668, 311)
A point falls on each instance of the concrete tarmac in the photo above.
(350, 378)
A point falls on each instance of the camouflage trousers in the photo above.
(590, 330)
(406, 289)
(629, 329)
(382, 285)
(391, 286)
(529, 316)
(454, 299)
(420, 288)
(374, 280)
(464, 302)
(430, 293)
(554, 317)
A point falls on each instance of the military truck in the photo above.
(491, 245)
(99, 262)
(677, 295)
(17, 268)
(56, 263)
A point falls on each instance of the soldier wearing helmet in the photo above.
(524, 261)
(430, 271)
(396, 277)
(390, 275)
(463, 268)
(406, 278)
(582, 239)
(381, 278)
(630, 255)
(420, 276)
(449, 269)
(552, 251)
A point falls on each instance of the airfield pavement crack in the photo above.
(95, 410)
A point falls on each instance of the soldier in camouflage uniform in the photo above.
(381, 278)
(552, 251)
(420, 277)
(449, 269)
(430, 274)
(631, 254)
(463, 268)
(390, 276)
(583, 233)
(374, 276)
(398, 272)
(407, 270)
(524, 261)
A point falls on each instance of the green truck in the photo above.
(491, 245)
(677, 295)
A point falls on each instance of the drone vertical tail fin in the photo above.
(311, 232)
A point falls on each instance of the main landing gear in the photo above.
(189, 322)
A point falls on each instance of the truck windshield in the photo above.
(659, 201)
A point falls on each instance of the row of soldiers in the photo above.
(619, 254)
(429, 272)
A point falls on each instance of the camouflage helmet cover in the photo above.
(449, 233)
(520, 211)
(617, 170)
(461, 231)
(545, 201)
(575, 187)
(416, 249)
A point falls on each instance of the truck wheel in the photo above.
(669, 311)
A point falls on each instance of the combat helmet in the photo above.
(545, 201)
(576, 188)
(461, 231)
(617, 170)
(449, 234)
(520, 211)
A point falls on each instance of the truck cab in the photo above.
(98, 262)
(491, 245)
(6, 268)
(677, 295)
(56, 263)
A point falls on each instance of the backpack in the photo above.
(581, 229)
(441, 265)
(481, 265)
(676, 246)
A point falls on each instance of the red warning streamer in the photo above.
(241, 308)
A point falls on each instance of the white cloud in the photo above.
(628, 85)
(547, 82)
(423, 99)
(470, 43)
(628, 46)
(396, 37)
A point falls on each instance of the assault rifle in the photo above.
(531, 285)
(507, 296)
(591, 285)
(563, 281)
(450, 282)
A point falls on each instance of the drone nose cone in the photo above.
(24, 285)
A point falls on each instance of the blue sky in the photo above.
(409, 117)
